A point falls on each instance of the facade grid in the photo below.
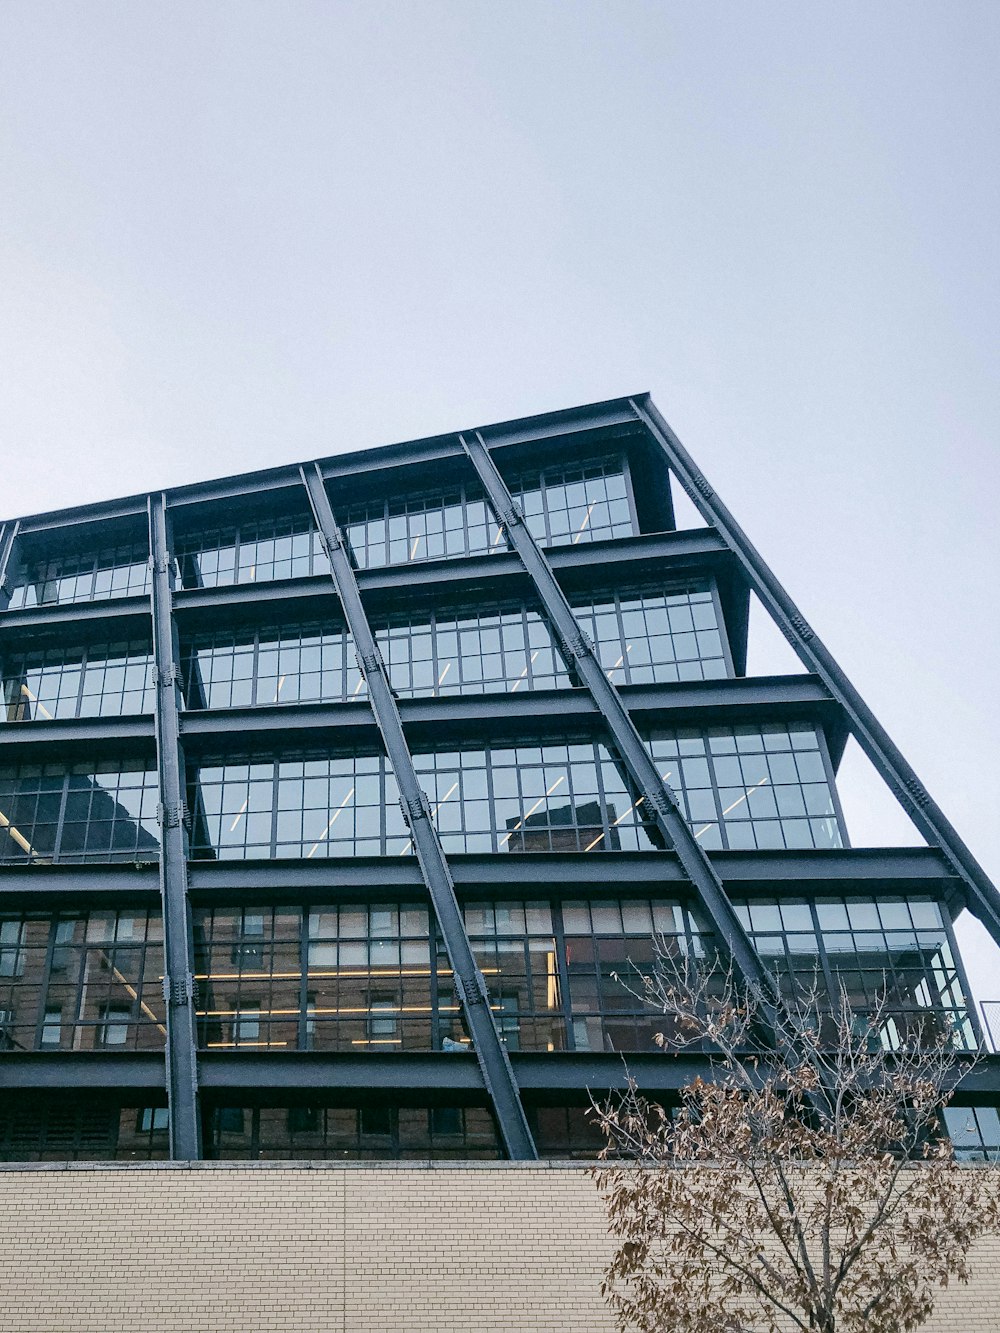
(431, 749)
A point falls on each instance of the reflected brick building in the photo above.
(333, 798)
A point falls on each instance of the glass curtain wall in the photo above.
(83, 576)
(81, 982)
(103, 810)
(112, 679)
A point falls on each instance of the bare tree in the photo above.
(807, 1185)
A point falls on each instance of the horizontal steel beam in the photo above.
(131, 1072)
(314, 1071)
(547, 712)
(111, 616)
(853, 870)
(568, 422)
(417, 1077)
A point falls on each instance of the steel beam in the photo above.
(501, 1086)
(652, 789)
(983, 900)
(178, 984)
(8, 533)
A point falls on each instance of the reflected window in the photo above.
(102, 680)
(566, 504)
(666, 636)
(83, 576)
(295, 664)
(257, 551)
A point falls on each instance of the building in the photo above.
(332, 797)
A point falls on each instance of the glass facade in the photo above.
(658, 637)
(100, 680)
(292, 664)
(256, 551)
(565, 504)
(507, 648)
(103, 810)
(376, 976)
(372, 1132)
(81, 1129)
(561, 505)
(81, 982)
(312, 964)
(85, 576)
(664, 636)
(299, 806)
(974, 1132)
(753, 786)
(522, 798)
(894, 948)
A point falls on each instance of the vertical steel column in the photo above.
(178, 952)
(8, 532)
(498, 1076)
(654, 792)
(982, 897)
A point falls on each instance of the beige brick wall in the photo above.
(483, 1248)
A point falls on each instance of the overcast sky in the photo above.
(240, 234)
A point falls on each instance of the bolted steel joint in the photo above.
(179, 990)
(414, 808)
(173, 816)
(580, 645)
(511, 515)
(801, 628)
(369, 663)
(916, 791)
(473, 989)
(659, 801)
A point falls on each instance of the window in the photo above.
(246, 1024)
(257, 551)
(11, 945)
(316, 806)
(84, 980)
(564, 505)
(96, 811)
(102, 680)
(305, 663)
(974, 1132)
(894, 949)
(375, 1120)
(671, 635)
(766, 785)
(438, 653)
(118, 571)
(382, 1010)
(153, 1119)
(52, 1027)
(421, 527)
(115, 1022)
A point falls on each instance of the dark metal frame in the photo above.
(644, 774)
(926, 814)
(631, 427)
(470, 985)
(178, 949)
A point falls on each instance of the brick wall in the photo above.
(483, 1248)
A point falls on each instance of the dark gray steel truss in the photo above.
(178, 983)
(470, 985)
(8, 532)
(946, 869)
(927, 815)
(654, 791)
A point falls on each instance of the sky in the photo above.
(235, 234)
